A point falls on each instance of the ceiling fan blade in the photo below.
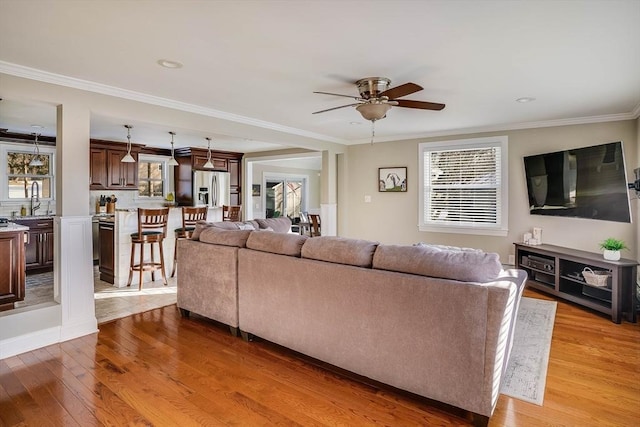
(419, 104)
(400, 91)
(337, 94)
(335, 108)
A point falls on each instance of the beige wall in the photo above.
(393, 217)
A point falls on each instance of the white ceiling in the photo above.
(257, 63)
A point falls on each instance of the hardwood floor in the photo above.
(156, 368)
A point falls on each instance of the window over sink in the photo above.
(19, 177)
(153, 176)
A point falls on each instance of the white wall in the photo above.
(393, 217)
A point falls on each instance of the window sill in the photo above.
(464, 230)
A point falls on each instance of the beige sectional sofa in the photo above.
(434, 321)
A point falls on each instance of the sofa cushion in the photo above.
(340, 250)
(447, 248)
(462, 265)
(200, 226)
(279, 225)
(220, 236)
(277, 243)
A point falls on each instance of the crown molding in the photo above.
(513, 126)
(86, 85)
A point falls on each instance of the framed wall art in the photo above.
(392, 180)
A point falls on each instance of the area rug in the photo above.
(526, 374)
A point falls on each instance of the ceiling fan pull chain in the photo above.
(373, 130)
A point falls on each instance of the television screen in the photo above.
(587, 182)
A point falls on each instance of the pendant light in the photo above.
(173, 161)
(208, 165)
(35, 159)
(128, 158)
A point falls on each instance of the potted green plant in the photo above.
(612, 248)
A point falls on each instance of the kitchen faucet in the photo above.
(37, 196)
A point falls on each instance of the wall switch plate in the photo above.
(367, 199)
(512, 260)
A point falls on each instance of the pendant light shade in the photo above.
(128, 158)
(173, 161)
(35, 160)
(208, 165)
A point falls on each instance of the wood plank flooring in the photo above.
(156, 368)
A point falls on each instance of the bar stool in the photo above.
(189, 218)
(230, 213)
(152, 228)
(315, 225)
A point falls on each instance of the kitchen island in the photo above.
(115, 244)
(12, 266)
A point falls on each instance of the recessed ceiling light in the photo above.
(166, 63)
(37, 127)
(355, 123)
(525, 99)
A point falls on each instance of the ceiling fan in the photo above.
(376, 98)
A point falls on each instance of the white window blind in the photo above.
(463, 186)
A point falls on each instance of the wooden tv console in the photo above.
(557, 271)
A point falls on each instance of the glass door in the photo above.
(284, 197)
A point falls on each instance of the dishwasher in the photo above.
(96, 239)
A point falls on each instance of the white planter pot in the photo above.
(611, 255)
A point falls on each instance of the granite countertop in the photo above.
(13, 227)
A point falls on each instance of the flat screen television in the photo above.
(586, 182)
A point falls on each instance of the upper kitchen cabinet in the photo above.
(107, 170)
(190, 159)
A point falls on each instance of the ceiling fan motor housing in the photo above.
(370, 87)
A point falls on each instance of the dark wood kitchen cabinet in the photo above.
(39, 244)
(107, 171)
(191, 159)
(12, 274)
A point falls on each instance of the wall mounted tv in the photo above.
(587, 182)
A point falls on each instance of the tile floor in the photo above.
(111, 303)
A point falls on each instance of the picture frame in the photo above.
(255, 190)
(392, 179)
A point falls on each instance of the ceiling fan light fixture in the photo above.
(173, 161)
(128, 158)
(373, 111)
(208, 164)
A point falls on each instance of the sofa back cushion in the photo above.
(462, 265)
(224, 225)
(340, 250)
(277, 243)
(220, 236)
(279, 225)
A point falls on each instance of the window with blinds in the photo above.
(464, 186)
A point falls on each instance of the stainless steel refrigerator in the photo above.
(211, 189)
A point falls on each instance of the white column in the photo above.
(328, 197)
(73, 278)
